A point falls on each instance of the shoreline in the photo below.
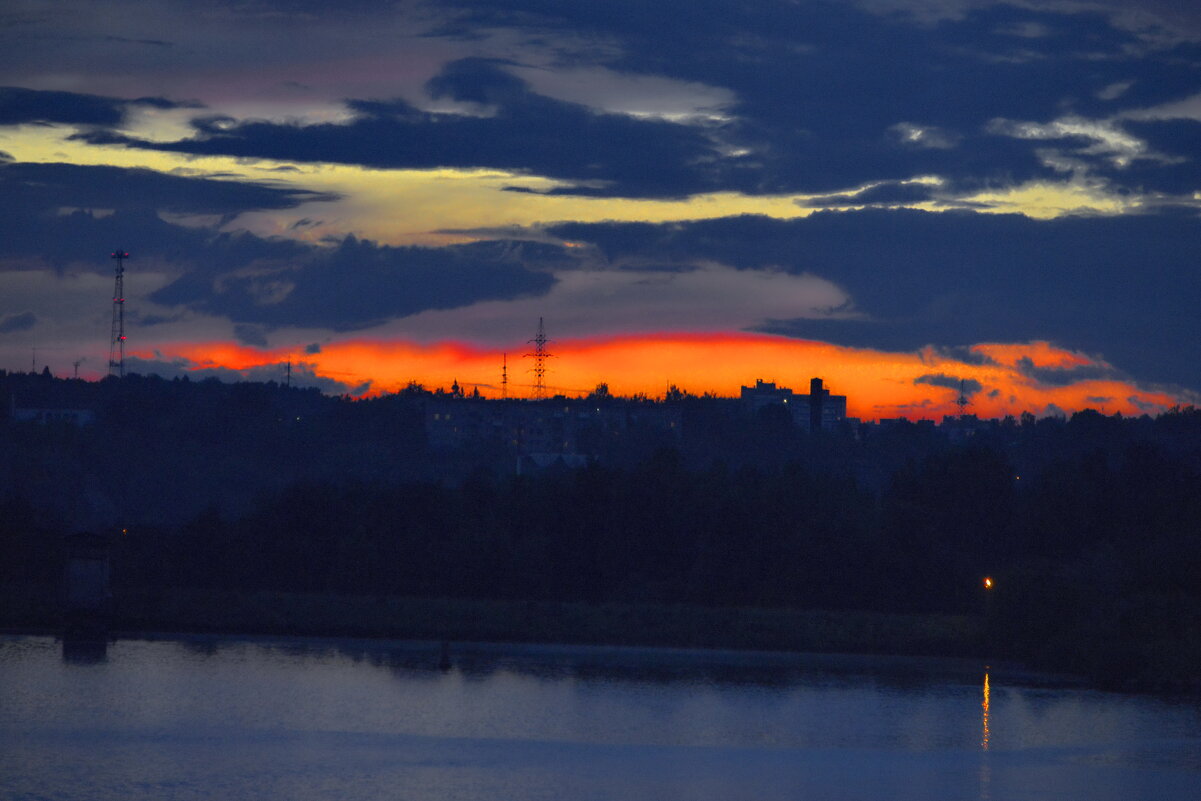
(35, 610)
(190, 611)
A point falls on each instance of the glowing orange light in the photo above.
(987, 583)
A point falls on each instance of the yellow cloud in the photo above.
(1045, 200)
(422, 206)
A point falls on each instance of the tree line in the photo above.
(1090, 527)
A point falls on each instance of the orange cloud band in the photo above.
(878, 384)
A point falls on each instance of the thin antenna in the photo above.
(288, 374)
(962, 401)
(540, 355)
(504, 376)
(78, 362)
(33, 360)
(116, 346)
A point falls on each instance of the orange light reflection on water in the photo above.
(984, 723)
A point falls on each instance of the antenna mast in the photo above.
(504, 376)
(116, 346)
(962, 402)
(540, 355)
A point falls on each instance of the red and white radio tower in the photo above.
(116, 346)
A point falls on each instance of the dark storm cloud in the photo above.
(827, 97)
(1126, 288)
(831, 96)
(17, 322)
(36, 202)
(51, 186)
(358, 284)
(20, 106)
(526, 132)
(257, 282)
(970, 386)
(82, 238)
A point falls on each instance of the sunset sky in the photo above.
(894, 195)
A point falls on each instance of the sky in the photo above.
(904, 197)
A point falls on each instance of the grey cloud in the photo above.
(1145, 406)
(970, 385)
(253, 335)
(1061, 376)
(20, 106)
(265, 283)
(528, 133)
(18, 322)
(923, 277)
(358, 284)
(882, 99)
(50, 186)
(962, 353)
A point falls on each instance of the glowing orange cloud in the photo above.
(1040, 354)
(877, 384)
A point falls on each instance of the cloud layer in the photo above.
(889, 131)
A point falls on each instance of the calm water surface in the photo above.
(307, 719)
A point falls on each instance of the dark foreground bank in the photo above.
(1111, 663)
(36, 608)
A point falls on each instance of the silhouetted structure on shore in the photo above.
(817, 411)
(87, 598)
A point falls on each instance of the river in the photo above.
(298, 719)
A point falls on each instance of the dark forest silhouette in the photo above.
(1091, 526)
